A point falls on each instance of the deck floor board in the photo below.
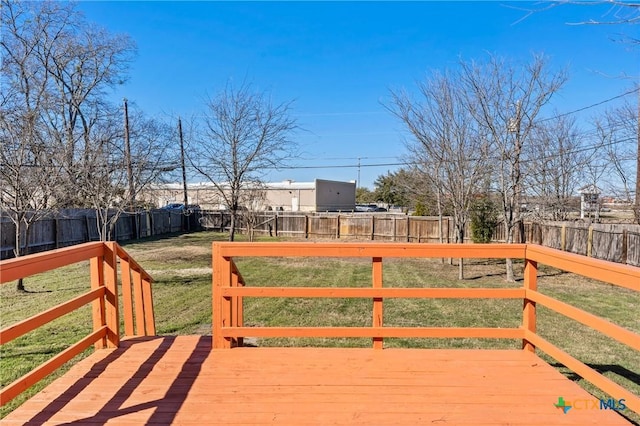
(181, 380)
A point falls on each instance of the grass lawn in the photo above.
(181, 268)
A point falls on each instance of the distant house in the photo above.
(317, 196)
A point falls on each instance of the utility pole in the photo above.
(184, 171)
(127, 156)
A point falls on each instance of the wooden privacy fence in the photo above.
(614, 242)
(76, 226)
(103, 259)
(354, 226)
(229, 289)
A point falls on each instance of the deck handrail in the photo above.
(227, 296)
(103, 295)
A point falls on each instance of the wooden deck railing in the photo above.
(104, 259)
(229, 289)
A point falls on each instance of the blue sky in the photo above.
(338, 61)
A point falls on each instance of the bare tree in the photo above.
(85, 62)
(505, 99)
(554, 166)
(106, 183)
(56, 69)
(243, 136)
(446, 143)
(619, 14)
(28, 176)
(617, 133)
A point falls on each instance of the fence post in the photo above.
(276, 223)
(563, 237)
(97, 306)
(376, 274)
(625, 247)
(56, 232)
(338, 227)
(529, 306)
(111, 296)
(590, 241)
(373, 225)
(408, 229)
(306, 226)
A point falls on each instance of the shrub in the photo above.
(484, 218)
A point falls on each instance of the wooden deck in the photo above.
(182, 380)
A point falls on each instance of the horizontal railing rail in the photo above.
(228, 293)
(103, 296)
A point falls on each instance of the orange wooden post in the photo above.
(529, 308)
(221, 308)
(138, 302)
(378, 342)
(127, 301)
(236, 307)
(149, 315)
(111, 296)
(97, 306)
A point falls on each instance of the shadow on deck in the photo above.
(182, 380)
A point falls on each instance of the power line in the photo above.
(590, 106)
(579, 149)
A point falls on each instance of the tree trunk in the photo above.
(440, 225)
(232, 228)
(509, 262)
(17, 251)
(461, 260)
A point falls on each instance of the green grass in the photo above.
(181, 267)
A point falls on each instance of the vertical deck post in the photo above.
(221, 307)
(529, 308)
(127, 300)
(376, 274)
(236, 307)
(149, 315)
(97, 306)
(138, 302)
(111, 296)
